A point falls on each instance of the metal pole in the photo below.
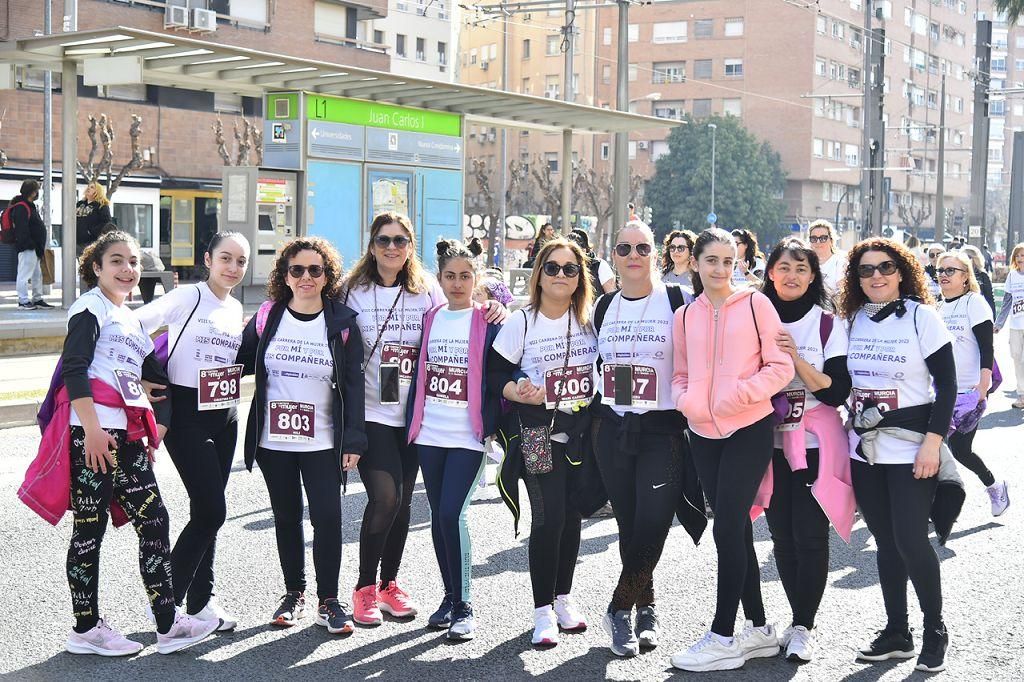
(1013, 226)
(569, 33)
(940, 180)
(620, 178)
(70, 15)
(569, 95)
(499, 229)
(865, 176)
(979, 145)
(878, 133)
(68, 182)
(48, 132)
(714, 130)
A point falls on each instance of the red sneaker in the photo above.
(364, 606)
(394, 600)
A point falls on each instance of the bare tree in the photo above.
(521, 194)
(915, 215)
(593, 192)
(248, 140)
(102, 137)
(550, 187)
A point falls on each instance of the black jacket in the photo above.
(91, 217)
(985, 284)
(349, 410)
(29, 229)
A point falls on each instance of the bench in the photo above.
(147, 283)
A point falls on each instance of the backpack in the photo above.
(7, 222)
(676, 300)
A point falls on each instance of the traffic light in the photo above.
(648, 214)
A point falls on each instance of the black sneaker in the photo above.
(463, 624)
(934, 643)
(647, 626)
(888, 644)
(26, 306)
(41, 304)
(333, 615)
(290, 609)
(442, 618)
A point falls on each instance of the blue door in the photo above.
(333, 206)
(438, 208)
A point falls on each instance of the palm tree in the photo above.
(1013, 8)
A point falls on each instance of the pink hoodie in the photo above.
(725, 375)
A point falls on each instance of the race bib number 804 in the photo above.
(131, 388)
(446, 385)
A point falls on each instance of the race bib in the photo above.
(220, 387)
(446, 385)
(795, 401)
(568, 386)
(884, 398)
(645, 386)
(403, 356)
(291, 421)
(1018, 305)
(131, 388)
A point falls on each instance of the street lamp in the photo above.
(713, 129)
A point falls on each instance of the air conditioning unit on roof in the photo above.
(176, 16)
(203, 21)
(642, 144)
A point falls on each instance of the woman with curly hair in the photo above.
(749, 259)
(676, 250)
(902, 368)
(306, 420)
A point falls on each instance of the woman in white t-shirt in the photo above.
(676, 250)
(390, 291)
(823, 239)
(969, 319)
(204, 332)
(305, 426)
(542, 362)
(749, 259)
(1012, 317)
(900, 358)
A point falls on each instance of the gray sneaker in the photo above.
(463, 624)
(647, 626)
(619, 625)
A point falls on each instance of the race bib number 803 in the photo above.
(291, 421)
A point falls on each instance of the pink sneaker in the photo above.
(394, 600)
(365, 610)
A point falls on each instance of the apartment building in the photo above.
(421, 36)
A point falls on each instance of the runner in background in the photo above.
(825, 241)
(1011, 316)
(749, 259)
(675, 258)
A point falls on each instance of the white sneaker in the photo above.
(759, 642)
(545, 626)
(102, 640)
(186, 631)
(712, 652)
(801, 644)
(786, 635)
(568, 614)
(999, 495)
(214, 611)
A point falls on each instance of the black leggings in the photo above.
(962, 446)
(896, 506)
(730, 471)
(554, 530)
(644, 491)
(201, 445)
(388, 471)
(800, 536)
(130, 481)
(287, 474)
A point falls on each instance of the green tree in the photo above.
(749, 180)
(1014, 9)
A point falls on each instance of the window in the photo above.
(400, 48)
(472, 53)
(606, 74)
(669, 32)
(997, 107)
(526, 48)
(333, 20)
(227, 103)
(442, 53)
(632, 149)
(818, 148)
(734, 27)
(251, 10)
(669, 109)
(826, 191)
(838, 30)
(32, 79)
(669, 72)
(852, 155)
(1018, 109)
(552, 86)
(494, 51)
(632, 72)
(703, 28)
(1018, 64)
(837, 191)
(605, 151)
(732, 106)
(701, 108)
(999, 63)
(1019, 42)
(702, 69)
(734, 68)
(822, 24)
(820, 67)
(853, 77)
(136, 220)
(552, 44)
(659, 148)
(525, 87)
(606, 35)
(135, 92)
(378, 37)
(421, 50)
(633, 33)
(551, 159)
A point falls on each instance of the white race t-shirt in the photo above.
(604, 273)
(211, 338)
(446, 421)
(1015, 286)
(300, 378)
(833, 270)
(961, 316)
(739, 278)
(537, 345)
(887, 364)
(122, 345)
(806, 333)
(399, 344)
(638, 333)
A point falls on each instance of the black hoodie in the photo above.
(29, 229)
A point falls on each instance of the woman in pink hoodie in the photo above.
(727, 368)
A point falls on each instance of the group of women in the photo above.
(660, 399)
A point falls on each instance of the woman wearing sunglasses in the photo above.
(305, 425)
(390, 291)
(542, 363)
(823, 239)
(969, 319)
(638, 436)
(932, 253)
(1012, 316)
(675, 258)
(899, 349)
(749, 259)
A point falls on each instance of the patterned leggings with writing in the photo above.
(132, 484)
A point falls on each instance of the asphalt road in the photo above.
(981, 575)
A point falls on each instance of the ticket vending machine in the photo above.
(263, 205)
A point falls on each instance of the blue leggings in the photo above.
(449, 475)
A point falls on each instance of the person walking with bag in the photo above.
(30, 241)
(1012, 316)
(728, 365)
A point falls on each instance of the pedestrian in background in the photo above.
(602, 277)
(30, 241)
(676, 250)
(988, 259)
(92, 213)
(749, 259)
(982, 278)
(1012, 314)
(545, 234)
(825, 242)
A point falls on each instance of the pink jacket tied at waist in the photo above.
(47, 486)
(833, 489)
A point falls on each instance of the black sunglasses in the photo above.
(643, 249)
(297, 271)
(384, 241)
(677, 248)
(934, 254)
(885, 268)
(819, 239)
(551, 269)
(948, 272)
